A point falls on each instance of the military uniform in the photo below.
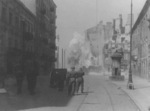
(71, 82)
(80, 81)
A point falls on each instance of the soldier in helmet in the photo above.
(80, 80)
(71, 76)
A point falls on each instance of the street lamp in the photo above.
(130, 81)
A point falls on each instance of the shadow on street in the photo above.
(44, 97)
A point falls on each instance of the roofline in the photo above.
(26, 9)
(141, 15)
(52, 1)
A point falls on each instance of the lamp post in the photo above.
(58, 51)
(130, 81)
(62, 58)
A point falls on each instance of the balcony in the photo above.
(42, 25)
(52, 21)
(52, 31)
(52, 9)
(53, 46)
(53, 15)
(44, 40)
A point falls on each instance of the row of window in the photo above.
(16, 43)
(8, 16)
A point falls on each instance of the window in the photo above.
(10, 42)
(10, 18)
(28, 27)
(31, 28)
(52, 9)
(17, 21)
(4, 14)
(16, 44)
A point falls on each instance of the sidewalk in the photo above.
(140, 95)
(45, 99)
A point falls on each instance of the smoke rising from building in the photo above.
(79, 52)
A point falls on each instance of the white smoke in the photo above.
(79, 52)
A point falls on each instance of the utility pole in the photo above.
(62, 57)
(57, 51)
(130, 81)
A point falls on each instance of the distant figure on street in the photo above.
(61, 78)
(71, 78)
(80, 81)
(19, 77)
(32, 72)
(54, 78)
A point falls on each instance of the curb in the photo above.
(140, 108)
(133, 100)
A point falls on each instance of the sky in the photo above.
(79, 15)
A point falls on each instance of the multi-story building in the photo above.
(108, 28)
(17, 33)
(95, 37)
(118, 40)
(141, 42)
(45, 13)
(27, 33)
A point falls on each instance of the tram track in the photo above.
(79, 107)
(110, 98)
(106, 96)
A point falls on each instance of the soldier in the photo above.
(80, 80)
(61, 79)
(52, 77)
(71, 76)
(19, 77)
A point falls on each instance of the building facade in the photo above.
(141, 42)
(17, 32)
(45, 13)
(95, 37)
(27, 34)
(46, 18)
(118, 40)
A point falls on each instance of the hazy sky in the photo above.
(79, 15)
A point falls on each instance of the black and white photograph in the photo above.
(74, 55)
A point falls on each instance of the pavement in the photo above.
(46, 98)
(141, 93)
(105, 96)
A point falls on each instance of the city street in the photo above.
(106, 96)
(100, 94)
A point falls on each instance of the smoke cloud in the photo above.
(79, 51)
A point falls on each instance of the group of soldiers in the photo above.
(73, 79)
